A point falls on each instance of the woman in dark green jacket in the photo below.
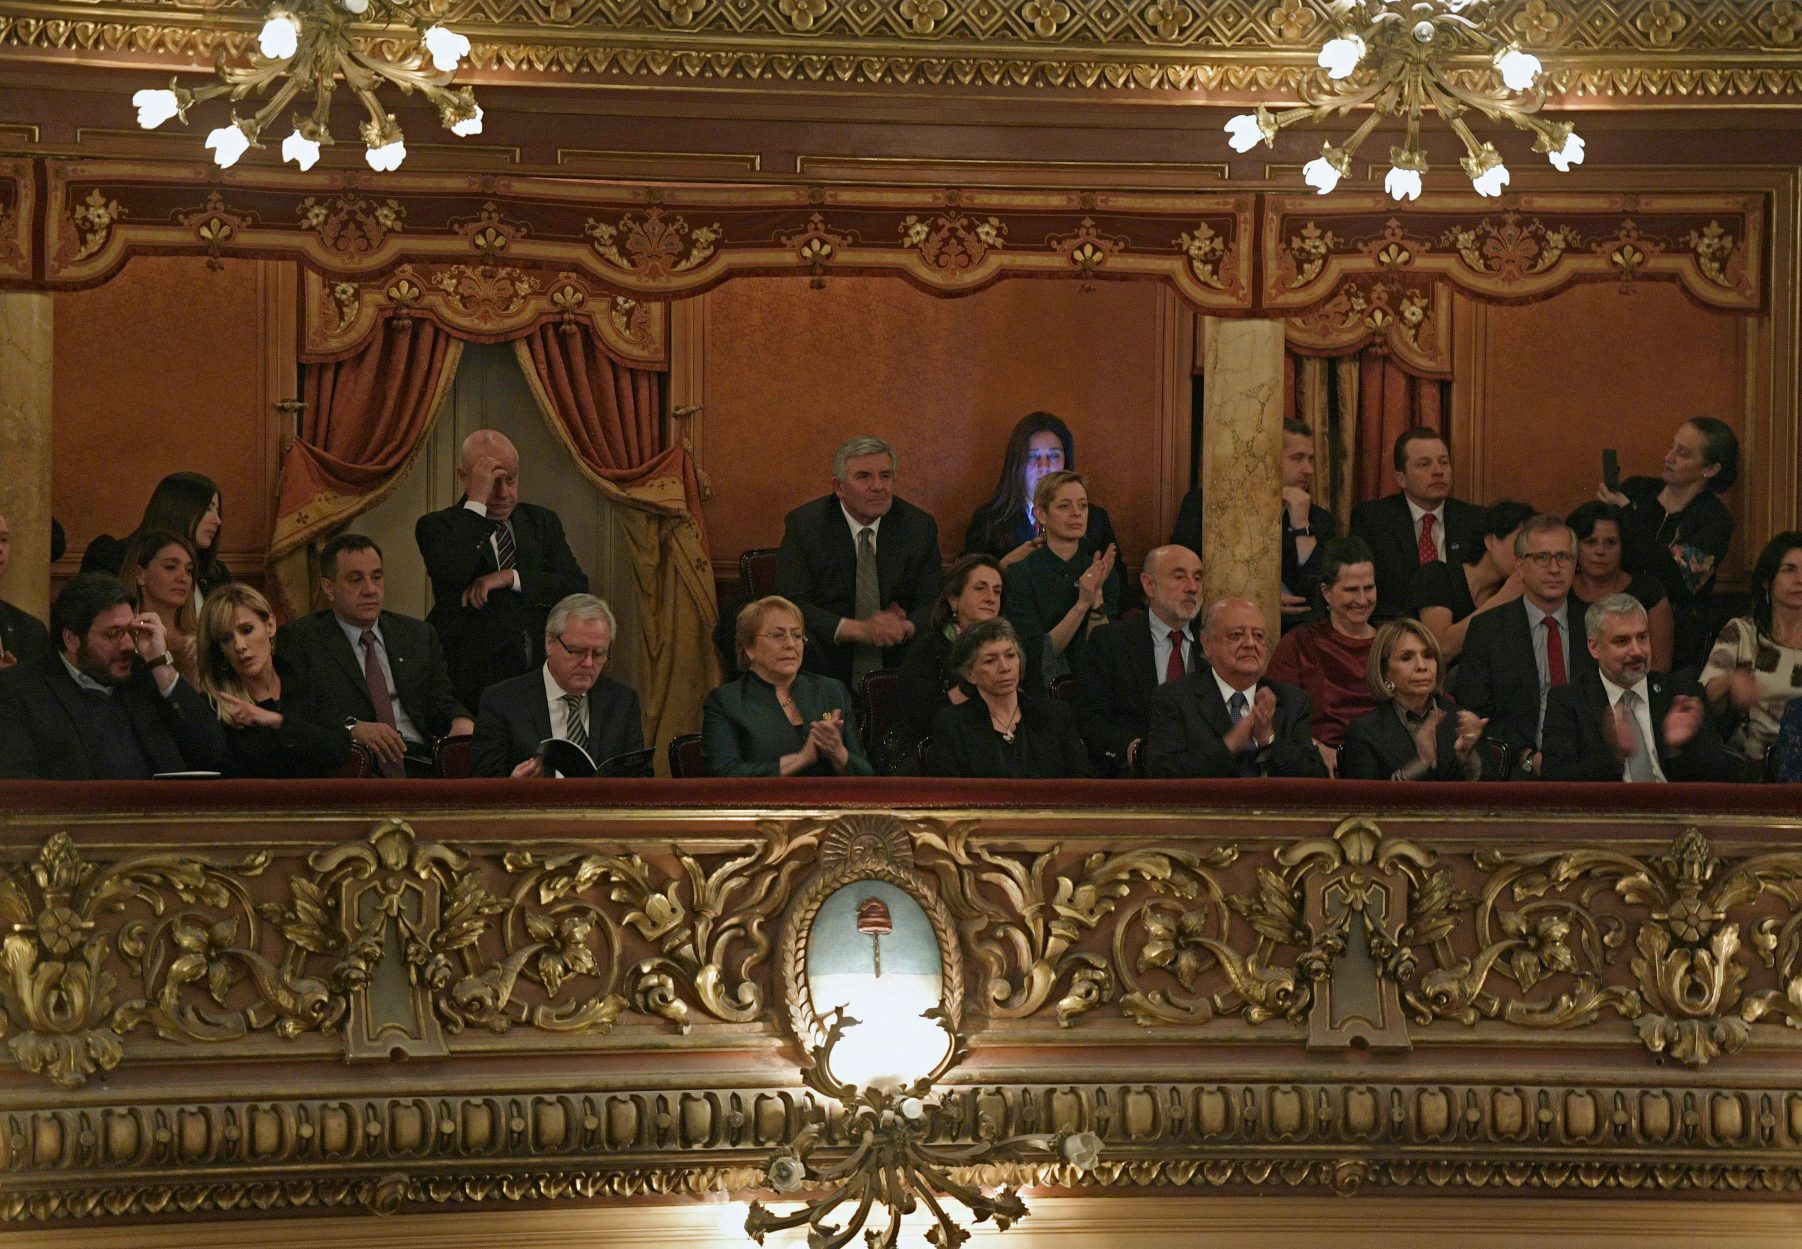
(776, 720)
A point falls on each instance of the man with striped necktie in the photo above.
(566, 697)
(497, 567)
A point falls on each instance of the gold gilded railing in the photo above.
(224, 999)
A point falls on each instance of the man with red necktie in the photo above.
(1421, 523)
(1516, 655)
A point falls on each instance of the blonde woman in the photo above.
(240, 672)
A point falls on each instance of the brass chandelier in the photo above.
(892, 1162)
(310, 46)
(1396, 57)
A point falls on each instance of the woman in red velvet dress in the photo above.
(1329, 657)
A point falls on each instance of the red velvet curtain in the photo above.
(364, 420)
(1390, 401)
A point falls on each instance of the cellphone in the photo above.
(1611, 469)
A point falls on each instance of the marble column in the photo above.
(25, 381)
(1241, 463)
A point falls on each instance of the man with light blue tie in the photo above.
(1226, 719)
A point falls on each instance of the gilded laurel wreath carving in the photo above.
(391, 944)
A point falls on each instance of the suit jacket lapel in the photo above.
(1148, 666)
(889, 555)
(400, 664)
(338, 646)
(1213, 706)
(69, 695)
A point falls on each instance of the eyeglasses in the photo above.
(1547, 559)
(779, 636)
(582, 654)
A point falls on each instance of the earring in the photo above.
(1388, 687)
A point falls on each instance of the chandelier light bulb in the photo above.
(1519, 69)
(303, 151)
(228, 143)
(1402, 183)
(1339, 57)
(281, 36)
(1570, 154)
(473, 125)
(1490, 182)
(1320, 174)
(356, 8)
(157, 106)
(1242, 133)
(387, 157)
(447, 48)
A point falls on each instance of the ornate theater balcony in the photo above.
(257, 999)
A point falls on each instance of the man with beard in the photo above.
(1622, 722)
(1125, 662)
(108, 704)
(1226, 718)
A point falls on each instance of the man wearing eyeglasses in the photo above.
(108, 704)
(567, 697)
(1516, 655)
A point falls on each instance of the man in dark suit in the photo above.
(568, 697)
(1125, 662)
(1225, 719)
(497, 565)
(108, 705)
(1420, 523)
(1306, 528)
(859, 562)
(1622, 722)
(1517, 654)
(378, 673)
(22, 638)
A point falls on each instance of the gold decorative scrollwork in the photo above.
(485, 294)
(953, 245)
(652, 247)
(816, 246)
(1409, 317)
(1087, 249)
(1510, 250)
(215, 225)
(351, 225)
(93, 220)
(1210, 256)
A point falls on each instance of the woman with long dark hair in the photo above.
(1447, 597)
(1005, 526)
(1756, 664)
(187, 503)
(1677, 529)
(1601, 548)
(158, 573)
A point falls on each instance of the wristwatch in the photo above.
(1302, 531)
(351, 722)
(164, 660)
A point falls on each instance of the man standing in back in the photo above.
(859, 563)
(1419, 524)
(497, 566)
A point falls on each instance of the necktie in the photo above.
(572, 726)
(1639, 763)
(1554, 652)
(866, 658)
(506, 554)
(1175, 668)
(1429, 549)
(378, 695)
(1236, 707)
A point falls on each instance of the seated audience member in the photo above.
(1126, 661)
(1006, 527)
(1001, 732)
(23, 637)
(159, 572)
(926, 683)
(378, 673)
(1415, 733)
(776, 720)
(565, 697)
(1306, 527)
(1620, 721)
(1329, 658)
(1600, 573)
(190, 505)
(497, 565)
(1418, 525)
(242, 674)
(1755, 668)
(1226, 719)
(1447, 597)
(1677, 529)
(108, 705)
(1517, 654)
(1066, 587)
(859, 562)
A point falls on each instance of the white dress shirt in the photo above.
(1160, 646)
(1642, 712)
(1438, 515)
(403, 722)
(857, 527)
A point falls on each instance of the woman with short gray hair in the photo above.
(998, 731)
